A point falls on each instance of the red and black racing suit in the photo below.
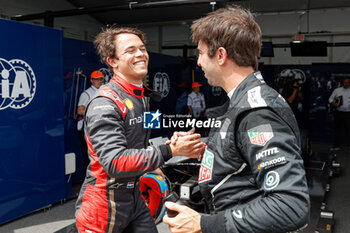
(110, 200)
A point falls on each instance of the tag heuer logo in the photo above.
(206, 170)
(260, 135)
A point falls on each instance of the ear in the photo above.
(112, 62)
(221, 55)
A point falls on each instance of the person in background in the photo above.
(196, 101)
(252, 175)
(96, 79)
(340, 100)
(110, 199)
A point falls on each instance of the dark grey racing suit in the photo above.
(110, 200)
(252, 175)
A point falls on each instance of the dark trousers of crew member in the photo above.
(342, 128)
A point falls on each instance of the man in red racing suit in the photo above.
(110, 200)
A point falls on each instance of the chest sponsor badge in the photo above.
(260, 135)
(129, 104)
(206, 170)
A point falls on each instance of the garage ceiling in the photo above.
(125, 12)
(175, 11)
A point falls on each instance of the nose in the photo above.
(140, 52)
(198, 62)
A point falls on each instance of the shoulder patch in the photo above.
(271, 181)
(129, 104)
(254, 98)
(109, 93)
(260, 135)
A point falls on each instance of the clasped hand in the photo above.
(187, 144)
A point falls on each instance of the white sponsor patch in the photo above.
(103, 107)
(254, 98)
(272, 179)
(260, 135)
(224, 128)
(267, 152)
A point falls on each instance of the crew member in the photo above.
(196, 101)
(340, 99)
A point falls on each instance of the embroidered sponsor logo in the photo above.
(237, 214)
(272, 179)
(103, 107)
(135, 120)
(267, 152)
(151, 120)
(272, 163)
(260, 135)
(206, 170)
(129, 104)
(130, 185)
(109, 92)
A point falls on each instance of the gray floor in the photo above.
(61, 215)
(338, 199)
(51, 220)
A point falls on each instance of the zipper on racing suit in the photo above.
(148, 132)
(223, 181)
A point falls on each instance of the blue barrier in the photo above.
(32, 163)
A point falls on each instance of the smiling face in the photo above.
(131, 62)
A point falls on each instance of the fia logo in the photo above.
(161, 83)
(151, 120)
(107, 75)
(18, 84)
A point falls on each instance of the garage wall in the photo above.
(81, 27)
(280, 28)
(329, 25)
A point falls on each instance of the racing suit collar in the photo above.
(128, 87)
(251, 80)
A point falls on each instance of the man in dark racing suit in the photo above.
(252, 175)
(110, 200)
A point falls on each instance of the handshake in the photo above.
(186, 144)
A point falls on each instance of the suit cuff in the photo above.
(166, 151)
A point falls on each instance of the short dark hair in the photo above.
(104, 41)
(234, 29)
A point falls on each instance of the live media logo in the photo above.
(151, 120)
